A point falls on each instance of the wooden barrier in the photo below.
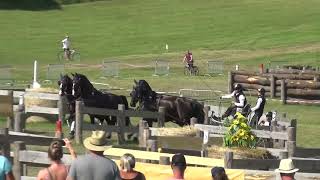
(304, 87)
(121, 113)
(283, 137)
(17, 114)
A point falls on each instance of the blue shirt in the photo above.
(5, 167)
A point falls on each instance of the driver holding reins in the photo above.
(239, 103)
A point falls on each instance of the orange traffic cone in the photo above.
(58, 132)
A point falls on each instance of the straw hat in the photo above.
(286, 166)
(97, 141)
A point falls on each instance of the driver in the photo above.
(240, 102)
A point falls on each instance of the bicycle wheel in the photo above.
(75, 56)
(61, 56)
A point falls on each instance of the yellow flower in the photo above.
(236, 122)
(241, 132)
(252, 137)
(243, 125)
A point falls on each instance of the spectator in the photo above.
(94, 165)
(287, 169)
(178, 166)
(5, 169)
(218, 173)
(57, 170)
(127, 163)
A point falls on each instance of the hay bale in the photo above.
(29, 101)
(179, 131)
(239, 153)
(33, 119)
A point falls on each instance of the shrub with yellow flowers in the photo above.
(239, 133)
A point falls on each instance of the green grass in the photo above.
(135, 32)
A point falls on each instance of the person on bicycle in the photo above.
(66, 47)
(238, 105)
(258, 108)
(188, 60)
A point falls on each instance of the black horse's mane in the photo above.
(90, 88)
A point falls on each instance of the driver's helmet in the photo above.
(67, 36)
(238, 87)
(262, 91)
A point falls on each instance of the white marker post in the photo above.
(35, 82)
(167, 47)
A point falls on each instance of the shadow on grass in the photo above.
(30, 5)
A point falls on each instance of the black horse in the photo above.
(65, 84)
(177, 109)
(83, 88)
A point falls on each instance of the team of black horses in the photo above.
(177, 109)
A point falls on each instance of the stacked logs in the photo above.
(290, 83)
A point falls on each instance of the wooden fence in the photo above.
(121, 115)
(18, 113)
(299, 88)
(280, 140)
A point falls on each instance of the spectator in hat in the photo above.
(287, 169)
(218, 173)
(178, 166)
(5, 169)
(127, 172)
(94, 165)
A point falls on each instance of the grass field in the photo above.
(135, 32)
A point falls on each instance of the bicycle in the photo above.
(191, 71)
(74, 56)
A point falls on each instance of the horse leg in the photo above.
(182, 119)
(111, 122)
(91, 119)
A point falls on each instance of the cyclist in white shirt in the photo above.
(66, 47)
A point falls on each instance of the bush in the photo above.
(239, 134)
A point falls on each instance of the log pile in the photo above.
(301, 84)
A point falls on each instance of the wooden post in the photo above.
(206, 110)
(273, 125)
(17, 165)
(272, 86)
(228, 159)
(283, 154)
(291, 143)
(193, 121)
(161, 118)
(283, 92)
(10, 117)
(61, 108)
(164, 160)
(146, 133)
(142, 125)
(282, 143)
(5, 142)
(293, 123)
(18, 120)
(316, 78)
(79, 121)
(152, 145)
(230, 82)
(121, 123)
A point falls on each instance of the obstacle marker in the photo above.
(161, 67)
(110, 68)
(35, 83)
